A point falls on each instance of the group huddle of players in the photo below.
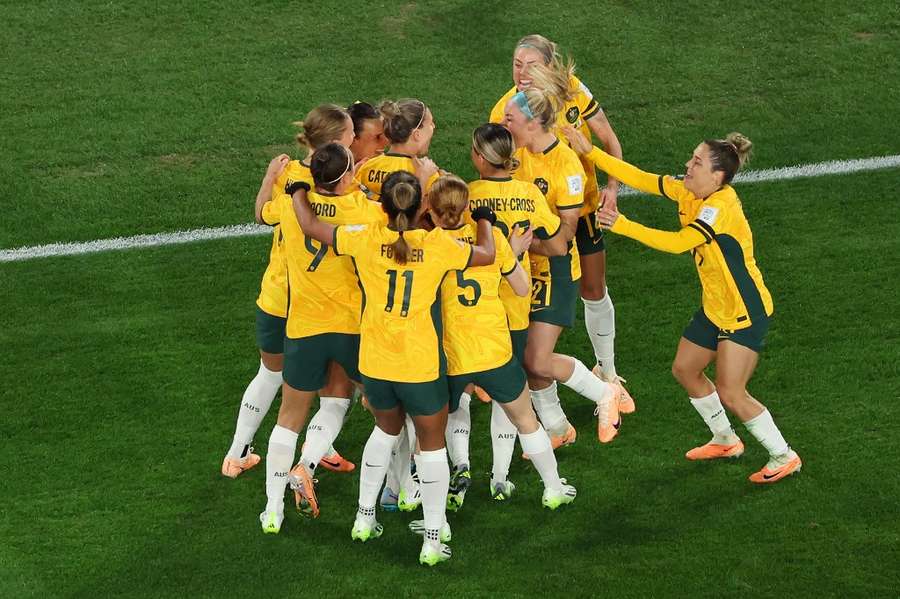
(390, 278)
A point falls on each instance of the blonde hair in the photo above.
(730, 154)
(495, 143)
(323, 124)
(401, 196)
(401, 118)
(554, 79)
(547, 49)
(544, 106)
(448, 198)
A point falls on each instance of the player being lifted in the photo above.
(537, 63)
(401, 267)
(731, 324)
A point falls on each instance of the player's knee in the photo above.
(730, 394)
(537, 365)
(682, 372)
(593, 290)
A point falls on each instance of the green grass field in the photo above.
(122, 371)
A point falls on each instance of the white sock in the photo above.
(279, 459)
(546, 404)
(503, 442)
(323, 429)
(399, 468)
(713, 413)
(763, 428)
(408, 483)
(459, 423)
(537, 446)
(586, 384)
(376, 455)
(255, 405)
(331, 452)
(434, 481)
(600, 322)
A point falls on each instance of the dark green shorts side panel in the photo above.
(270, 332)
(702, 331)
(564, 294)
(588, 236)
(417, 399)
(504, 383)
(306, 360)
(519, 340)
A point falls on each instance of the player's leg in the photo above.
(503, 444)
(326, 423)
(259, 394)
(735, 364)
(459, 423)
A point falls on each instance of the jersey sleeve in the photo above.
(271, 210)
(544, 223)
(571, 189)
(454, 254)
(660, 185)
(504, 253)
(712, 218)
(350, 240)
(498, 112)
(585, 100)
(666, 241)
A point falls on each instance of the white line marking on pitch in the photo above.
(833, 167)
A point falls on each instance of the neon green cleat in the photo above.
(433, 554)
(271, 522)
(460, 480)
(553, 498)
(418, 527)
(366, 531)
(409, 501)
(502, 491)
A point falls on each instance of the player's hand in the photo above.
(277, 166)
(609, 197)
(606, 217)
(520, 242)
(577, 140)
(425, 168)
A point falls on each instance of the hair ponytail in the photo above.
(496, 145)
(729, 155)
(448, 198)
(401, 197)
(324, 124)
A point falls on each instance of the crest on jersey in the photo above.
(542, 185)
(572, 114)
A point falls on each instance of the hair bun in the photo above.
(741, 144)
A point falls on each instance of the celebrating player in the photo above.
(537, 63)
(731, 325)
(368, 129)
(400, 269)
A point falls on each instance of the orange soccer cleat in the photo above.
(777, 468)
(626, 402)
(567, 438)
(482, 394)
(232, 468)
(337, 463)
(608, 418)
(713, 451)
(304, 487)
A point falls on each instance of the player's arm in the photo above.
(518, 280)
(483, 251)
(264, 195)
(507, 257)
(675, 242)
(309, 222)
(599, 126)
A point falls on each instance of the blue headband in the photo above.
(522, 102)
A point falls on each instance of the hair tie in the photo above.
(422, 118)
(521, 101)
(400, 233)
(346, 169)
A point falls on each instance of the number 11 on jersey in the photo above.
(392, 290)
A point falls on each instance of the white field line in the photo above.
(833, 167)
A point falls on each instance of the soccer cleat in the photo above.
(409, 501)
(460, 480)
(712, 451)
(232, 468)
(482, 394)
(304, 487)
(336, 463)
(553, 498)
(271, 522)
(366, 531)
(567, 438)
(626, 402)
(388, 500)
(502, 491)
(607, 413)
(418, 527)
(433, 554)
(778, 467)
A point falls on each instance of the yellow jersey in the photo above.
(400, 331)
(476, 333)
(374, 171)
(715, 228)
(515, 203)
(558, 174)
(576, 113)
(273, 292)
(324, 296)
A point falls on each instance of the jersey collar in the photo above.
(551, 146)
(500, 179)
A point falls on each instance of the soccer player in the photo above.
(322, 328)
(324, 124)
(409, 127)
(732, 322)
(368, 129)
(401, 267)
(555, 169)
(537, 63)
(520, 206)
(477, 336)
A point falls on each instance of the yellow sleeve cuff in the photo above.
(674, 242)
(624, 172)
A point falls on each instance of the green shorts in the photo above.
(504, 383)
(519, 340)
(564, 294)
(588, 236)
(417, 399)
(270, 332)
(306, 360)
(704, 333)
